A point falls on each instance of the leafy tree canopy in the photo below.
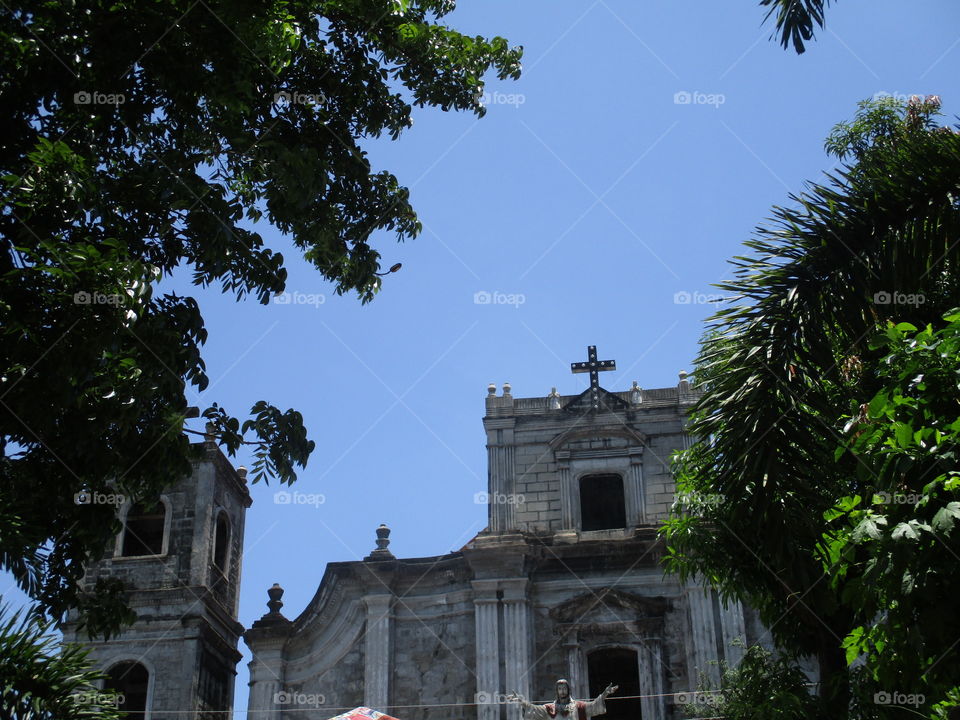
(143, 138)
(831, 386)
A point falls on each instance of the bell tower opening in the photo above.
(602, 504)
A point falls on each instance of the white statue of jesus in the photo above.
(564, 706)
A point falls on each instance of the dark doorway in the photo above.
(601, 502)
(130, 680)
(619, 666)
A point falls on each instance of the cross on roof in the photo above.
(594, 367)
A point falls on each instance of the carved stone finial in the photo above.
(274, 619)
(554, 398)
(683, 385)
(506, 389)
(275, 603)
(383, 541)
(636, 393)
(242, 472)
(492, 389)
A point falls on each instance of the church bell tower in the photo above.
(180, 559)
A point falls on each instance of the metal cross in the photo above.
(593, 366)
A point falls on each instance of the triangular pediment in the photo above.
(583, 403)
(611, 602)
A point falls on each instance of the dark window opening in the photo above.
(214, 688)
(143, 530)
(130, 680)
(221, 542)
(601, 502)
(620, 667)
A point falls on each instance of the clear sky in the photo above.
(590, 202)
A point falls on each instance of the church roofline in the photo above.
(683, 394)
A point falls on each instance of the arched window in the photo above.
(221, 543)
(621, 667)
(143, 530)
(131, 680)
(602, 504)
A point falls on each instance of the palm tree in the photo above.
(795, 19)
(783, 366)
(40, 680)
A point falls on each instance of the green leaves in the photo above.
(836, 379)
(142, 141)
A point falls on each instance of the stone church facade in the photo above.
(565, 581)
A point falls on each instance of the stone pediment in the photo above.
(609, 604)
(582, 403)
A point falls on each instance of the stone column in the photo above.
(377, 652)
(486, 610)
(651, 680)
(703, 635)
(568, 518)
(516, 641)
(635, 494)
(500, 464)
(576, 674)
(732, 626)
(266, 680)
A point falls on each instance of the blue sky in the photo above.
(593, 200)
